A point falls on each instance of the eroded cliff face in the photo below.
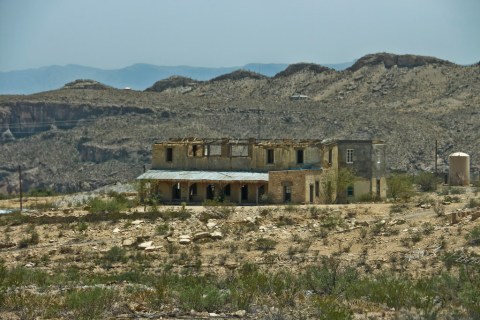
(25, 118)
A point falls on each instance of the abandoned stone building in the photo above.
(253, 171)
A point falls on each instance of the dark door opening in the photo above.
(378, 188)
(287, 193)
(176, 192)
(311, 193)
(244, 191)
(192, 192)
(227, 190)
(210, 192)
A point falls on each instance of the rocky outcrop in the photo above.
(239, 75)
(99, 153)
(173, 82)
(86, 84)
(389, 60)
(302, 67)
(26, 118)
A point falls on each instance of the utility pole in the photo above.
(20, 183)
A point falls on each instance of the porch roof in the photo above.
(181, 175)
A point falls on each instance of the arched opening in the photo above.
(176, 192)
(210, 192)
(192, 192)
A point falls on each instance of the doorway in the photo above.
(244, 192)
(210, 192)
(176, 192)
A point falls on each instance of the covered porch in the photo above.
(176, 186)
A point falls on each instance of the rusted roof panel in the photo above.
(179, 175)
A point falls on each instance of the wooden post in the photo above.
(20, 183)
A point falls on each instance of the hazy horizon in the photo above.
(114, 34)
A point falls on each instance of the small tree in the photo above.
(336, 183)
(427, 181)
(400, 186)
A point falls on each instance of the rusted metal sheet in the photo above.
(179, 175)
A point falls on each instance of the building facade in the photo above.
(252, 171)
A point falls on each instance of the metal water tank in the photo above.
(459, 173)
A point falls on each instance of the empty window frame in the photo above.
(227, 190)
(350, 191)
(215, 150)
(270, 156)
(193, 189)
(169, 155)
(317, 188)
(349, 155)
(195, 150)
(300, 156)
(239, 150)
(330, 156)
(287, 193)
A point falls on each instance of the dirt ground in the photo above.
(370, 236)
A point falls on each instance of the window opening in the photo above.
(169, 154)
(300, 156)
(317, 188)
(349, 155)
(350, 191)
(287, 193)
(227, 190)
(270, 156)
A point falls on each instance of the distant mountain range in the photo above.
(138, 76)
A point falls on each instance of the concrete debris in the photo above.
(145, 245)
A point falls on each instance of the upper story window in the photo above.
(270, 156)
(349, 155)
(215, 149)
(239, 150)
(195, 150)
(300, 156)
(169, 155)
(330, 156)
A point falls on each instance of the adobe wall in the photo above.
(298, 180)
(285, 157)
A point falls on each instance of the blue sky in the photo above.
(117, 33)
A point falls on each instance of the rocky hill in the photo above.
(85, 134)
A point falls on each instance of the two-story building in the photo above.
(253, 171)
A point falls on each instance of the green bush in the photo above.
(200, 295)
(115, 254)
(473, 203)
(98, 205)
(329, 308)
(400, 186)
(33, 239)
(473, 237)
(329, 277)
(162, 229)
(265, 244)
(427, 181)
(91, 303)
(38, 192)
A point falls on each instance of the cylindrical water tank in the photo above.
(459, 172)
